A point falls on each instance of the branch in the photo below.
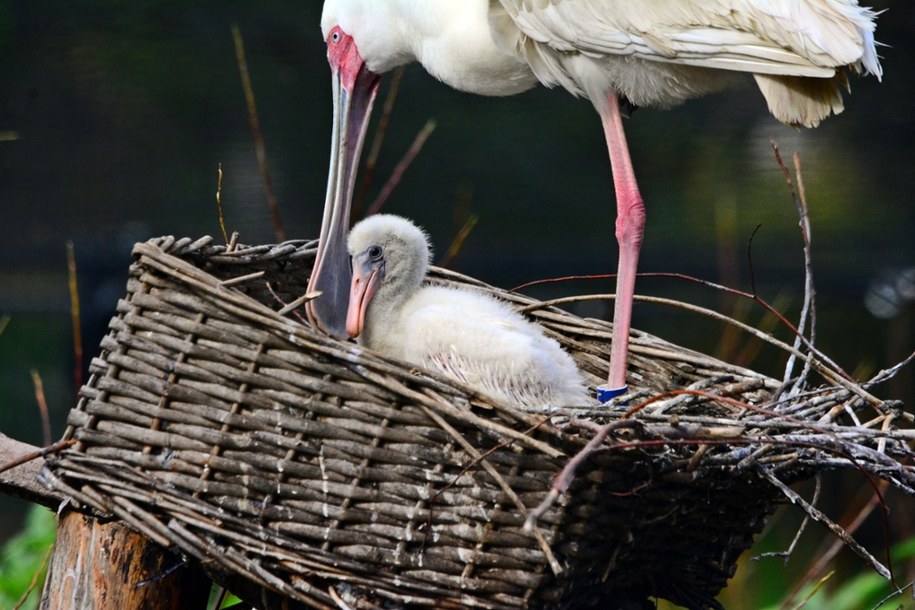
(20, 464)
(819, 517)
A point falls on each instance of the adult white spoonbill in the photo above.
(461, 333)
(647, 52)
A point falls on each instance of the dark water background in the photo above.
(114, 116)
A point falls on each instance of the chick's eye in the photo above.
(375, 253)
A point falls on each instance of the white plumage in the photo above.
(650, 52)
(653, 52)
(463, 334)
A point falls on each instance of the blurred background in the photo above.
(114, 117)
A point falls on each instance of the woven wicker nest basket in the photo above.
(300, 468)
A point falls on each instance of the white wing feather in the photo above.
(797, 38)
(660, 52)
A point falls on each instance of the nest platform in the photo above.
(307, 472)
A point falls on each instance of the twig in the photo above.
(34, 455)
(222, 219)
(342, 605)
(401, 167)
(819, 517)
(471, 450)
(567, 474)
(35, 578)
(371, 160)
(42, 407)
(571, 278)
(295, 304)
(459, 240)
(4, 322)
(837, 545)
(260, 146)
(241, 279)
(669, 437)
(808, 311)
(750, 266)
(814, 591)
(478, 459)
(73, 288)
(20, 472)
(898, 591)
(823, 367)
(889, 373)
(787, 553)
(693, 308)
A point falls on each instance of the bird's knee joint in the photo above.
(630, 222)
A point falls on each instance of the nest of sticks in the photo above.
(307, 472)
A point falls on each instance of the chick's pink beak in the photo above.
(365, 283)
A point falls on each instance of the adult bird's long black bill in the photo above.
(331, 275)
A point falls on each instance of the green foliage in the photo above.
(229, 602)
(863, 591)
(24, 556)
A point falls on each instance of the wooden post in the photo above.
(102, 566)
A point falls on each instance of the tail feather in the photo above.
(800, 101)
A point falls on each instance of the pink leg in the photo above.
(630, 227)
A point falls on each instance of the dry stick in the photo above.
(42, 407)
(73, 288)
(34, 455)
(459, 240)
(295, 303)
(808, 311)
(4, 322)
(827, 372)
(564, 479)
(371, 161)
(798, 331)
(401, 167)
(814, 591)
(468, 447)
(567, 474)
(686, 306)
(836, 546)
(35, 578)
(739, 404)
(889, 373)
(478, 458)
(342, 605)
(787, 553)
(898, 591)
(815, 514)
(767, 323)
(259, 145)
(482, 456)
(819, 517)
(222, 219)
(809, 290)
(241, 279)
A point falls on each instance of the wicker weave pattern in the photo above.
(217, 426)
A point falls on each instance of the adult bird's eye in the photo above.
(335, 36)
(375, 253)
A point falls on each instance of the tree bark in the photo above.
(102, 566)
